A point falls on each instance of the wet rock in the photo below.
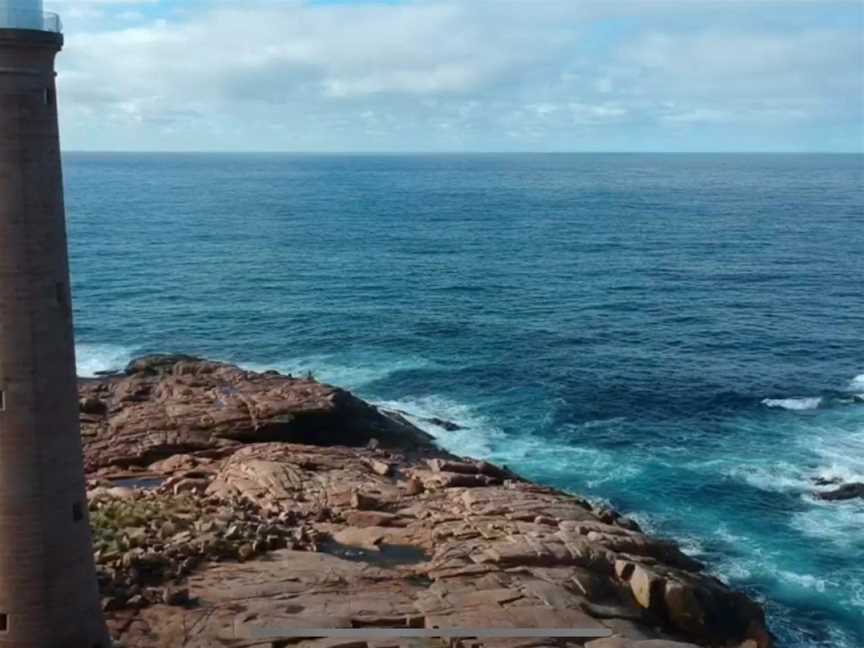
(444, 424)
(826, 481)
(845, 492)
(450, 426)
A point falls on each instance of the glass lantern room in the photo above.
(27, 14)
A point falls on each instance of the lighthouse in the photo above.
(49, 596)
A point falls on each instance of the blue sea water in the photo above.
(680, 336)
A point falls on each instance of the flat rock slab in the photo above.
(406, 535)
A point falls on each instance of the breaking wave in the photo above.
(794, 404)
(353, 374)
(93, 359)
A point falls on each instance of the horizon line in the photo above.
(431, 153)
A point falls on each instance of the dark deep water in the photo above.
(679, 335)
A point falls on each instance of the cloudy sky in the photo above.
(462, 75)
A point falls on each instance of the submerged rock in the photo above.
(444, 424)
(826, 481)
(845, 492)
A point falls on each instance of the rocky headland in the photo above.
(228, 505)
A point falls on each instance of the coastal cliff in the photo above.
(228, 504)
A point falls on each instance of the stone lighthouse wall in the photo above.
(48, 590)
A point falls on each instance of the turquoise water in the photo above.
(677, 335)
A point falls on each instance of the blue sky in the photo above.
(462, 75)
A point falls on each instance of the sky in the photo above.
(462, 75)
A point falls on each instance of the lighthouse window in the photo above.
(4, 623)
(48, 96)
(2, 400)
(77, 512)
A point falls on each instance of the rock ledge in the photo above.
(227, 504)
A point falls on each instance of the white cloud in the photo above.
(432, 74)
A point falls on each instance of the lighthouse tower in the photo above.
(48, 592)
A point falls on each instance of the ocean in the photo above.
(677, 335)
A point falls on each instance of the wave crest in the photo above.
(348, 373)
(93, 359)
(476, 436)
(794, 404)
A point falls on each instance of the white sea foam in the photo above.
(828, 450)
(778, 477)
(804, 581)
(613, 471)
(732, 570)
(857, 383)
(690, 545)
(837, 473)
(478, 437)
(836, 523)
(730, 567)
(785, 477)
(339, 371)
(857, 589)
(94, 358)
(794, 404)
(603, 423)
(723, 533)
(840, 453)
(722, 566)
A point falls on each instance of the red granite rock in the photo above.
(169, 405)
(406, 535)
